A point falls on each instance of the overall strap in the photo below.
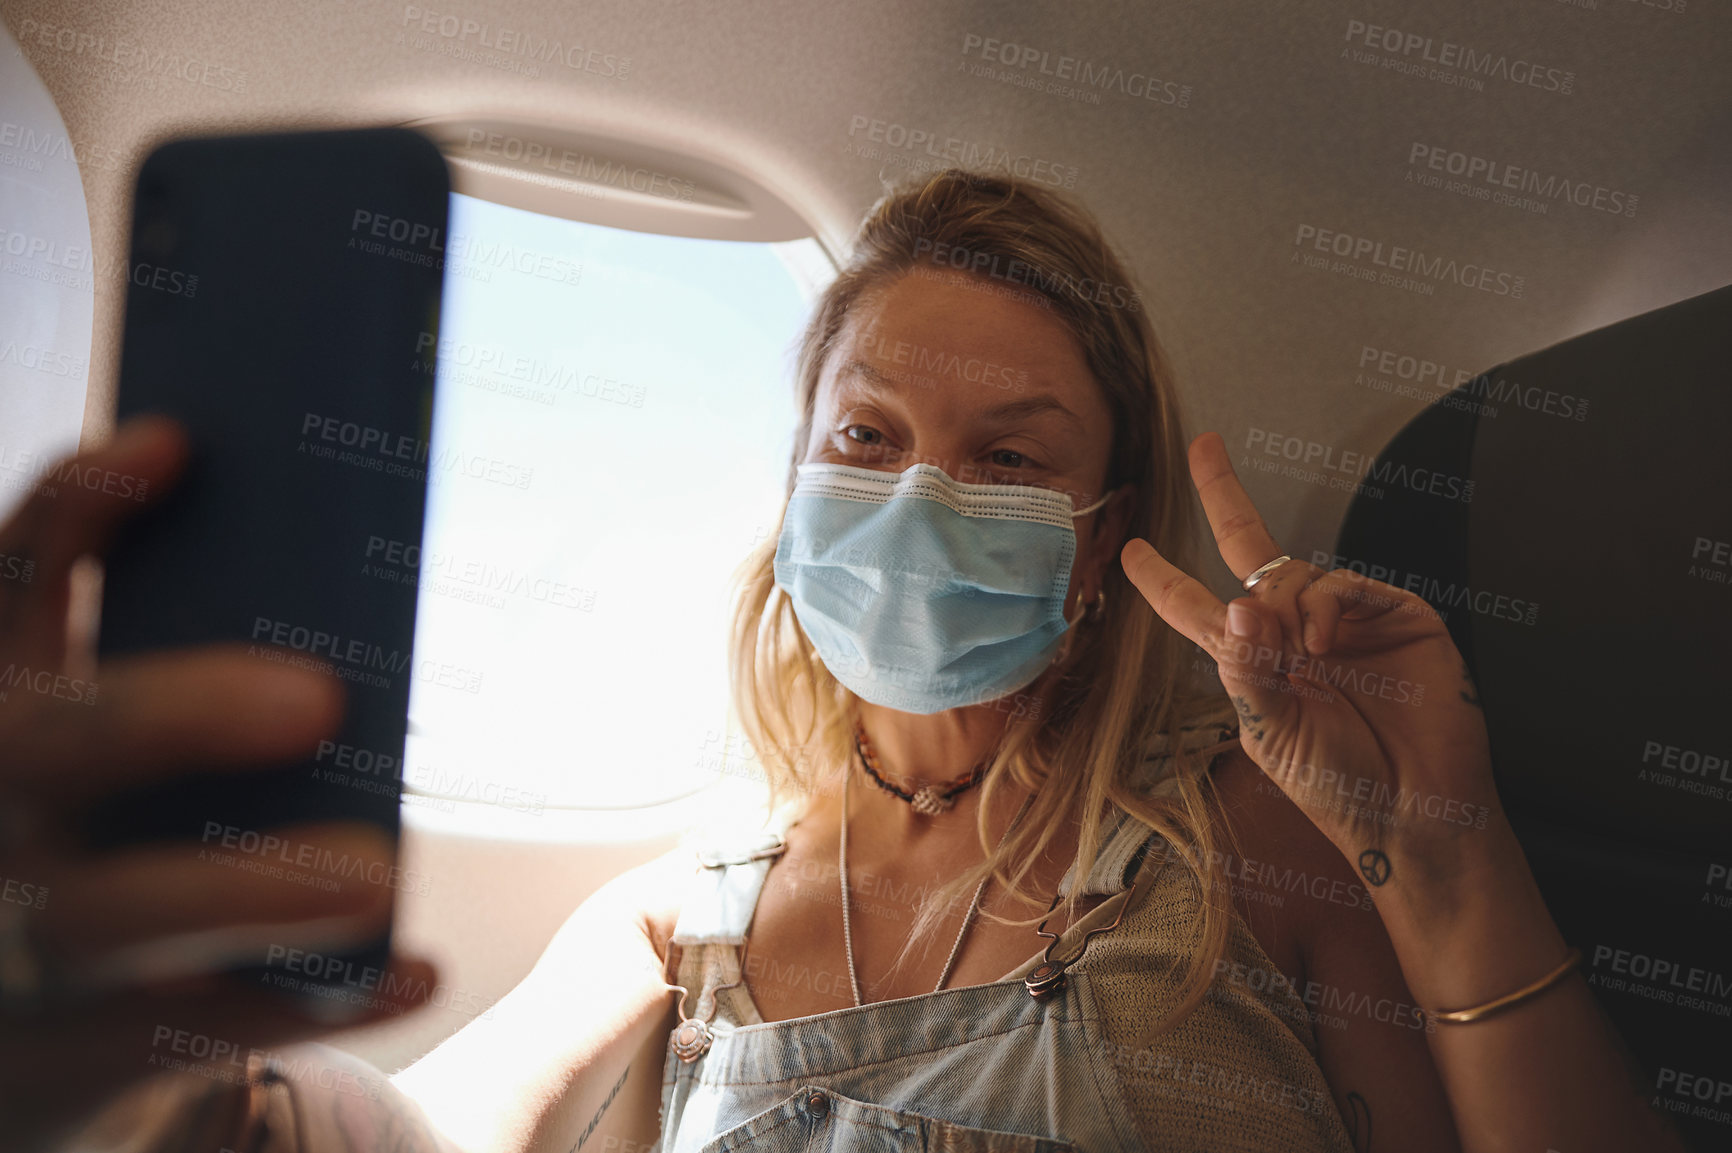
(1124, 839)
(717, 912)
(724, 891)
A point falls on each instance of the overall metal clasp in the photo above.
(692, 1037)
(1048, 977)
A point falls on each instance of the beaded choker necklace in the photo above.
(927, 800)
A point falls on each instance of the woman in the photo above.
(976, 727)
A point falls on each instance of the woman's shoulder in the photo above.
(650, 893)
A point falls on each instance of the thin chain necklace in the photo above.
(967, 920)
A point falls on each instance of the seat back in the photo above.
(1588, 583)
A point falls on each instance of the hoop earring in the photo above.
(1095, 611)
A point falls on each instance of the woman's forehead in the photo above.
(959, 333)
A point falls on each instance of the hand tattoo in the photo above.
(1471, 693)
(1374, 865)
(1358, 1118)
(1252, 722)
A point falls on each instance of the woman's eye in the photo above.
(864, 433)
(1009, 458)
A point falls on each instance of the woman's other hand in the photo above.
(1351, 695)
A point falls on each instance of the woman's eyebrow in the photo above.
(862, 372)
(1031, 406)
(864, 376)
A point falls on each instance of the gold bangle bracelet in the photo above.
(1481, 1012)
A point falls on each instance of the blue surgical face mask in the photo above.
(921, 593)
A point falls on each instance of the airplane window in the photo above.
(612, 414)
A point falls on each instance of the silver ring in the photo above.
(1250, 582)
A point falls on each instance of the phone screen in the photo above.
(283, 306)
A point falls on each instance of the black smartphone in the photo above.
(283, 306)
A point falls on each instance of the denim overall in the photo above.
(983, 1067)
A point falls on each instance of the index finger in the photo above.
(73, 511)
(162, 714)
(94, 490)
(1244, 540)
(1177, 598)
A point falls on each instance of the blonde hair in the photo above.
(1125, 680)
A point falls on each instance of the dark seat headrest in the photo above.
(1588, 578)
(1587, 581)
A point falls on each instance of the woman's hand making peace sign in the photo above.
(1354, 700)
(1351, 695)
